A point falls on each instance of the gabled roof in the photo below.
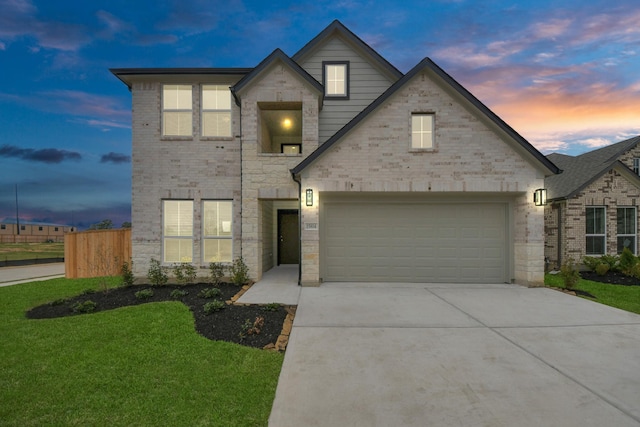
(336, 27)
(276, 55)
(580, 171)
(427, 64)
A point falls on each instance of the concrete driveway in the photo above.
(457, 355)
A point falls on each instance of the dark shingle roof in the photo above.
(580, 171)
(428, 64)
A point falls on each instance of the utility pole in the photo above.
(17, 214)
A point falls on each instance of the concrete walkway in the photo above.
(30, 273)
(280, 284)
(457, 355)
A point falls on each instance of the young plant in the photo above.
(216, 272)
(127, 274)
(570, 274)
(272, 306)
(178, 293)
(84, 307)
(214, 306)
(210, 293)
(627, 261)
(254, 328)
(144, 294)
(602, 269)
(157, 274)
(239, 272)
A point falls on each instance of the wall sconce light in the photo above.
(540, 197)
(309, 197)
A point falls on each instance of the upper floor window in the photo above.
(336, 79)
(3, 227)
(422, 131)
(636, 166)
(177, 108)
(595, 230)
(216, 111)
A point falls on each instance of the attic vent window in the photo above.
(336, 79)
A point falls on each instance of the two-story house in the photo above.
(592, 207)
(334, 160)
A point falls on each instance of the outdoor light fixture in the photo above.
(540, 197)
(309, 197)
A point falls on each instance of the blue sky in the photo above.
(564, 74)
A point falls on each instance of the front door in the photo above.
(288, 237)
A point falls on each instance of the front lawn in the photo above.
(22, 251)
(619, 296)
(142, 365)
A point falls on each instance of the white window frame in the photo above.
(632, 235)
(216, 237)
(423, 137)
(217, 109)
(182, 232)
(600, 235)
(636, 165)
(175, 106)
(331, 81)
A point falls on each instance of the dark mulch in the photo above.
(224, 325)
(612, 277)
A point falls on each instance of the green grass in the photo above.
(20, 251)
(623, 297)
(142, 366)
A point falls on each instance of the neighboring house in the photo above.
(334, 160)
(592, 206)
(32, 232)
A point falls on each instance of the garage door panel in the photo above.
(437, 242)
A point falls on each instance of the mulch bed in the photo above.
(223, 325)
(612, 277)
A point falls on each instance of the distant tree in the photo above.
(105, 224)
(126, 224)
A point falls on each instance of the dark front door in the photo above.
(288, 238)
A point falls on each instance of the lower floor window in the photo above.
(177, 229)
(217, 231)
(626, 229)
(595, 230)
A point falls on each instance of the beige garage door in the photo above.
(414, 242)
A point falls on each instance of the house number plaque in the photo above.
(311, 226)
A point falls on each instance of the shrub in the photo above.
(592, 263)
(254, 328)
(127, 274)
(272, 306)
(216, 272)
(602, 269)
(157, 274)
(84, 307)
(635, 271)
(213, 306)
(178, 293)
(144, 294)
(570, 274)
(612, 260)
(627, 261)
(58, 302)
(210, 293)
(184, 273)
(239, 272)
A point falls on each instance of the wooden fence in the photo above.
(96, 253)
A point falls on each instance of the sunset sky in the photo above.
(564, 74)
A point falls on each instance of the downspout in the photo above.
(559, 234)
(239, 104)
(293, 176)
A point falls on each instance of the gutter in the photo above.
(293, 176)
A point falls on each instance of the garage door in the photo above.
(414, 242)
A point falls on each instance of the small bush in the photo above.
(570, 274)
(602, 269)
(612, 260)
(178, 293)
(254, 328)
(127, 274)
(216, 272)
(272, 306)
(239, 272)
(627, 261)
(58, 302)
(157, 274)
(592, 263)
(84, 307)
(144, 294)
(213, 306)
(210, 293)
(635, 271)
(185, 273)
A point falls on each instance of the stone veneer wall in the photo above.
(193, 168)
(469, 157)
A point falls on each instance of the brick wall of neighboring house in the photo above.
(266, 176)
(469, 157)
(610, 190)
(193, 168)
